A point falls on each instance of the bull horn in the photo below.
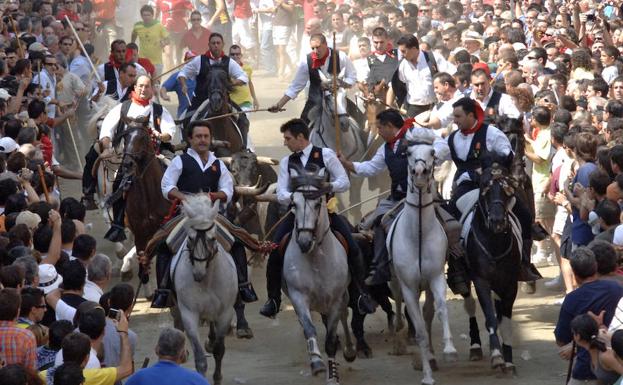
(269, 197)
(251, 191)
(267, 160)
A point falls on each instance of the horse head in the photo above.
(417, 146)
(200, 226)
(513, 128)
(308, 189)
(497, 194)
(219, 87)
(138, 144)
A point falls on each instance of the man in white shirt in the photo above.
(309, 70)
(309, 157)
(109, 72)
(163, 128)
(441, 116)
(98, 277)
(493, 103)
(46, 78)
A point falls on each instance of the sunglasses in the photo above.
(40, 306)
(195, 19)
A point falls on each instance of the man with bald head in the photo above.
(163, 128)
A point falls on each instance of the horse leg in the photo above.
(191, 326)
(411, 333)
(428, 310)
(483, 290)
(220, 327)
(438, 289)
(400, 347)
(411, 298)
(356, 323)
(301, 307)
(504, 308)
(126, 266)
(475, 349)
(242, 325)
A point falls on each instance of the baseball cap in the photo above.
(8, 145)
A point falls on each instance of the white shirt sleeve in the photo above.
(339, 177)
(442, 150)
(109, 124)
(350, 75)
(226, 182)
(617, 320)
(508, 108)
(284, 195)
(443, 65)
(171, 176)
(100, 71)
(236, 72)
(498, 142)
(373, 166)
(64, 311)
(191, 69)
(167, 124)
(299, 82)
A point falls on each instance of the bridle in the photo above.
(311, 195)
(136, 156)
(201, 237)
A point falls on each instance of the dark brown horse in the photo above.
(231, 129)
(145, 205)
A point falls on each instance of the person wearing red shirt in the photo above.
(173, 14)
(70, 9)
(242, 34)
(105, 21)
(197, 38)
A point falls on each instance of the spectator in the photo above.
(608, 216)
(120, 298)
(74, 280)
(18, 345)
(607, 260)
(171, 353)
(92, 322)
(69, 374)
(47, 354)
(13, 277)
(84, 248)
(31, 270)
(593, 295)
(99, 275)
(68, 234)
(32, 307)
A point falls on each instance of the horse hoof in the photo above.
(497, 362)
(349, 354)
(318, 367)
(451, 357)
(217, 379)
(127, 276)
(363, 350)
(509, 370)
(245, 333)
(428, 382)
(475, 354)
(433, 364)
(528, 287)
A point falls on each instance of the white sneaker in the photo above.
(554, 284)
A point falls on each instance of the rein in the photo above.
(201, 237)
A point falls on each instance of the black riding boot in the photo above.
(116, 233)
(527, 271)
(88, 181)
(247, 294)
(380, 268)
(163, 297)
(457, 270)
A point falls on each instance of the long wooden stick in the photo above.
(43, 185)
(338, 145)
(19, 42)
(236, 113)
(99, 80)
(364, 201)
(171, 70)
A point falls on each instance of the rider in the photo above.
(199, 171)
(382, 63)
(127, 78)
(110, 72)
(493, 103)
(163, 129)
(309, 69)
(392, 128)
(304, 154)
(468, 145)
(198, 68)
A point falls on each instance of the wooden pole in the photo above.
(43, 185)
(19, 42)
(236, 113)
(334, 52)
(99, 80)
(172, 69)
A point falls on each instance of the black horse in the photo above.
(494, 256)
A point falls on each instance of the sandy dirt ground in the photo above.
(277, 354)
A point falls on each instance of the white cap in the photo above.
(618, 236)
(49, 279)
(8, 145)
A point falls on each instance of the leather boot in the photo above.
(163, 296)
(458, 280)
(245, 289)
(273, 284)
(365, 303)
(88, 201)
(116, 233)
(527, 271)
(380, 269)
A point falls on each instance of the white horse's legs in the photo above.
(301, 307)
(400, 346)
(438, 288)
(412, 300)
(191, 326)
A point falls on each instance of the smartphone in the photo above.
(114, 314)
(590, 17)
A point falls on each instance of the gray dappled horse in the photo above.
(417, 245)
(315, 271)
(205, 280)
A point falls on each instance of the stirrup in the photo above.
(116, 233)
(163, 298)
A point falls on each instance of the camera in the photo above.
(114, 314)
(590, 17)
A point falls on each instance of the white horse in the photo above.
(205, 281)
(417, 244)
(315, 271)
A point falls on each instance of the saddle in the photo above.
(283, 244)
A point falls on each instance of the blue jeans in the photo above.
(267, 51)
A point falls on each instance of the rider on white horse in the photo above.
(319, 61)
(193, 172)
(468, 145)
(305, 155)
(162, 127)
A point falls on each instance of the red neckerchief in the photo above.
(210, 56)
(113, 61)
(387, 52)
(408, 123)
(138, 100)
(535, 132)
(480, 117)
(318, 62)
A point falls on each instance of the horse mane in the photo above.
(198, 208)
(509, 125)
(421, 134)
(101, 108)
(221, 73)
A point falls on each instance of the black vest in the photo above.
(477, 149)
(382, 70)
(193, 180)
(398, 166)
(201, 90)
(315, 159)
(315, 91)
(491, 111)
(156, 110)
(111, 79)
